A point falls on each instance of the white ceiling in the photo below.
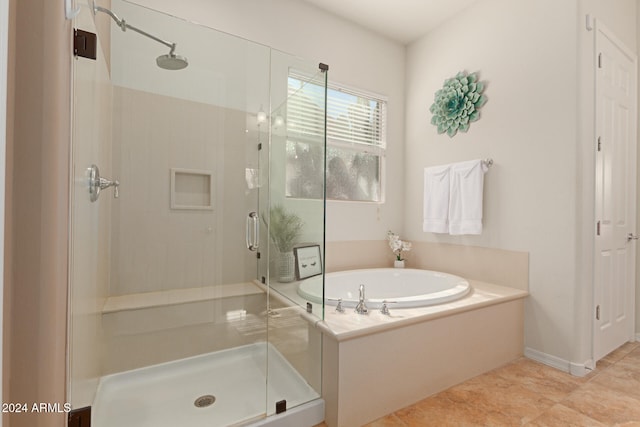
(400, 20)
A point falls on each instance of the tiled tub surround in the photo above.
(498, 266)
(377, 364)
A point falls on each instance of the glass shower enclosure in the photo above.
(186, 250)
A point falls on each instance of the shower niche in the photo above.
(191, 189)
(173, 316)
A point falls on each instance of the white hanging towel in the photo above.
(436, 199)
(465, 198)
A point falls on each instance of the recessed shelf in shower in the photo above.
(191, 189)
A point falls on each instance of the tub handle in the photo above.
(384, 309)
(339, 307)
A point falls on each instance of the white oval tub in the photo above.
(406, 287)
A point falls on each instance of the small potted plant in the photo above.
(285, 229)
(398, 247)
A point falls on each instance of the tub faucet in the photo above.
(361, 308)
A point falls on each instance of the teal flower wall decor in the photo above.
(457, 104)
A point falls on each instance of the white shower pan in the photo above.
(164, 395)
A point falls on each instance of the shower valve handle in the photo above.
(105, 183)
(98, 183)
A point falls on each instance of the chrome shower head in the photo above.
(171, 61)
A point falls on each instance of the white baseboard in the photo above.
(581, 369)
(547, 359)
(576, 369)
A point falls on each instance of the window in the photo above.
(356, 142)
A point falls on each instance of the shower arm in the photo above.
(124, 26)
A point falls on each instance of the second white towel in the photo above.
(465, 197)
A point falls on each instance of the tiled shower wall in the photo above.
(155, 247)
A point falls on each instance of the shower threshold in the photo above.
(224, 388)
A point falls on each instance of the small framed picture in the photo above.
(308, 261)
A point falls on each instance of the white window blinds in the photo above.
(352, 117)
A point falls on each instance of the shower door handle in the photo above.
(252, 235)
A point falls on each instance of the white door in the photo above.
(614, 269)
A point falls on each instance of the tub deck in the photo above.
(348, 325)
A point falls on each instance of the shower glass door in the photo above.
(296, 228)
(173, 320)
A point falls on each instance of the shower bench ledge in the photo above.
(178, 296)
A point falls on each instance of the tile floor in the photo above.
(527, 393)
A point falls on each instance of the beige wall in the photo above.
(38, 204)
(539, 193)
(526, 54)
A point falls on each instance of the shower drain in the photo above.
(204, 401)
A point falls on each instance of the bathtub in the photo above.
(406, 288)
(467, 328)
